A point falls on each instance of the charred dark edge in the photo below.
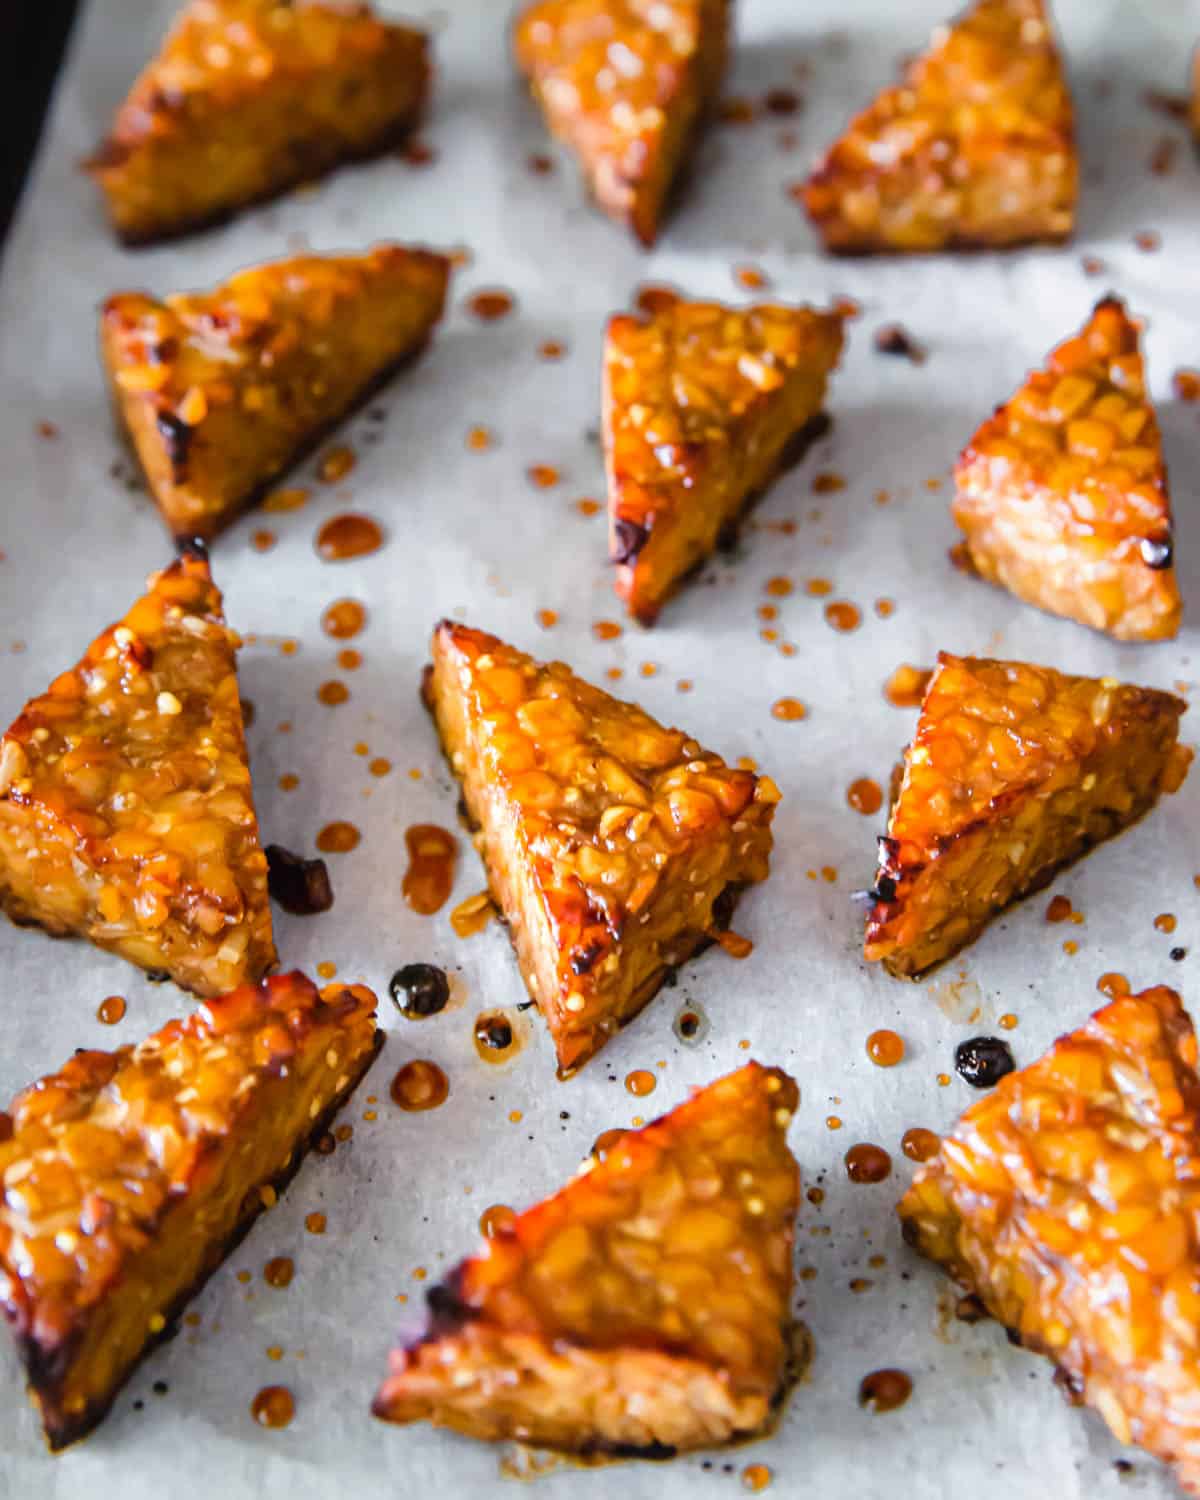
(391, 135)
(794, 451)
(61, 1434)
(208, 533)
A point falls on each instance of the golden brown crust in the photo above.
(701, 404)
(1066, 1200)
(1014, 771)
(643, 1309)
(221, 391)
(1062, 494)
(631, 122)
(126, 809)
(130, 1175)
(608, 840)
(976, 148)
(248, 98)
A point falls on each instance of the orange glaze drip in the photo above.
(655, 299)
(472, 915)
(336, 464)
(905, 688)
(273, 1406)
(865, 796)
(278, 1271)
(868, 1163)
(432, 853)
(495, 1220)
(490, 305)
(884, 1390)
(734, 944)
(332, 693)
(112, 1010)
(789, 710)
(349, 535)
(604, 1143)
(641, 1082)
(1059, 909)
(885, 1048)
(419, 1085)
(1112, 985)
(338, 838)
(843, 615)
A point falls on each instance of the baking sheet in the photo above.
(470, 536)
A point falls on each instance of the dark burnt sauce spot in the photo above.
(419, 990)
(301, 886)
(982, 1061)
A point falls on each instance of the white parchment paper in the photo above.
(469, 535)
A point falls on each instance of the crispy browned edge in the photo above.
(723, 907)
(393, 134)
(45, 1373)
(449, 1314)
(304, 450)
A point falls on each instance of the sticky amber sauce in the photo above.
(349, 535)
(343, 619)
(112, 1010)
(919, 1144)
(491, 304)
(905, 688)
(884, 1390)
(332, 693)
(472, 915)
(278, 1271)
(432, 853)
(1112, 985)
(885, 1048)
(789, 710)
(419, 1085)
(868, 1163)
(495, 1220)
(641, 1082)
(273, 1406)
(338, 838)
(865, 796)
(843, 615)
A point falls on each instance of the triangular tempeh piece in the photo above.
(128, 1176)
(248, 98)
(643, 1309)
(221, 391)
(614, 847)
(126, 810)
(1062, 493)
(626, 84)
(1014, 771)
(976, 147)
(702, 405)
(1067, 1200)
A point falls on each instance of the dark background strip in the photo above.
(33, 36)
